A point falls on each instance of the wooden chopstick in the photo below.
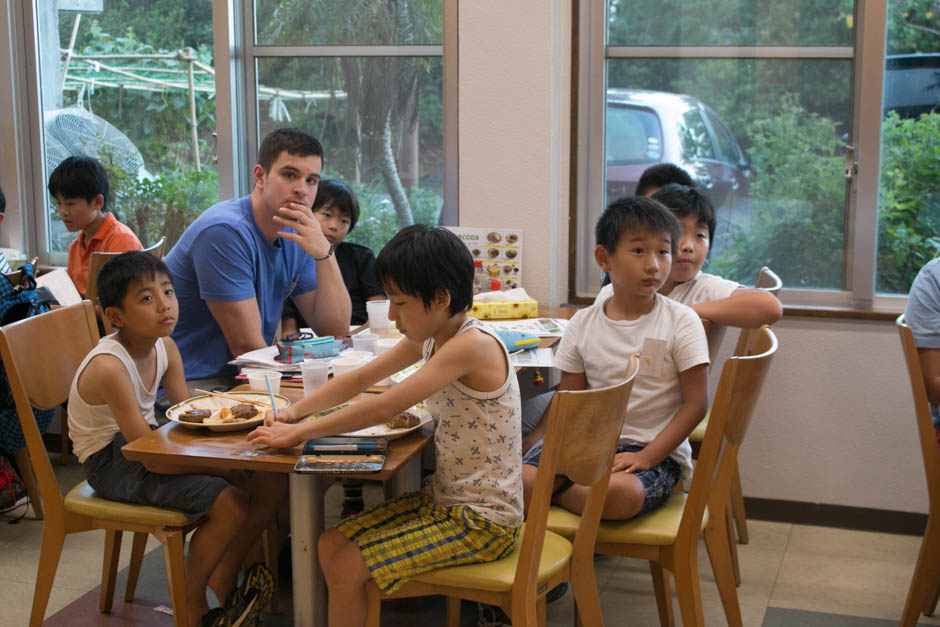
(231, 397)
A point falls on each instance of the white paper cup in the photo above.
(385, 344)
(378, 314)
(314, 375)
(364, 355)
(256, 381)
(365, 342)
(344, 365)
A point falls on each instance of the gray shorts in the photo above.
(116, 478)
(658, 481)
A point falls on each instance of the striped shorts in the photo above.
(411, 535)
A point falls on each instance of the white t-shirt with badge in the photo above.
(670, 339)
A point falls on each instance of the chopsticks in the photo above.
(231, 397)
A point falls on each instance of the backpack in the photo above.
(18, 302)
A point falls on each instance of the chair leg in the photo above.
(65, 442)
(453, 611)
(587, 603)
(53, 538)
(719, 554)
(737, 506)
(541, 611)
(733, 547)
(373, 604)
(663, 595)
(29, 479)
(133, 569)
(931, 605)
(175, 571)
(688, 589)
(112, 554)
(926, 574)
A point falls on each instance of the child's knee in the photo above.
(231, 505)
(328, 544)
(625, 496)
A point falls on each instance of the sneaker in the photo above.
(258, 582)
(491, 616)
(237, 612)
(351, 508)
(557, 593)
(12, 489)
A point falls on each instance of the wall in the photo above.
(835, 422)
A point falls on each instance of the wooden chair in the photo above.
(767, 280)
(925, 584)
(668, 536)
(584, 451)
(94, 265)
(41, 355)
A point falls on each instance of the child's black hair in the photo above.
(339, 196)
(3, 202)
(121, 272)
(295, 141)
(422, 259)
(687, 201)
(80, 177)
(632, 213)
(660, 175)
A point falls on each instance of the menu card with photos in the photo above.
(499, 250)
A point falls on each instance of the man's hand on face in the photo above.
(309, 235)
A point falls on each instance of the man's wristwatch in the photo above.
(328, 254)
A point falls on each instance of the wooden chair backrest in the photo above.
(94, 266)
(41, 355)
(925, 429)
(742, 378)
(581, 438)
(768, 281)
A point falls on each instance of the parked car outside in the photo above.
(649, 127)
(912, 84)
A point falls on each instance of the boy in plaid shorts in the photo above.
(470, 509)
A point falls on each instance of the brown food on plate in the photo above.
(244, 411)
(475, 252)
(493, 252)
(512, 238)
(507, 269)
(511, 254)
(194, 415)
(494, 237)
(404, 420)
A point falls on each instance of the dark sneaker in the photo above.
(491, 616)
(12, 489)
(557, 593)
(238, 611)
(351, 507)
(258, 580)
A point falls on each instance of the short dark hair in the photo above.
(82, 177)
(687, 201)
(338, 195)
(295, 141)
(660, 175)
(631, 213)
(422, 259)
(121, 272)
(3, 202)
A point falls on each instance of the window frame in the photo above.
(862, 157)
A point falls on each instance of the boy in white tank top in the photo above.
(111, 403)
(471, 508)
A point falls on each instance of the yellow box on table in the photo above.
(505, 310)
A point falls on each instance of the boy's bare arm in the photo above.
(240, 322)
(569, 381)
(693, 384)
(746, 308)
(174, 379)
(930, 367)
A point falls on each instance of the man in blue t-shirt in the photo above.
(922, 314)
(236, 264)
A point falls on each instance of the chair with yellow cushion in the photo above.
(668, 536)
(584, 451)
(925, 583)
(41, 355)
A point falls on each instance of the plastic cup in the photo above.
(378, 314)
(385, 344)
(345, 365)
(363, 355)
(256, 381)
(365, 342)
(314, 375)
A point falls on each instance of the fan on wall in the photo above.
(76, 131)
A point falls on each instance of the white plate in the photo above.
(215, 403)
(381, 431)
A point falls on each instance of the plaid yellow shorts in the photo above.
(411, 534)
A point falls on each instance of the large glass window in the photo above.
(367, 80)
(133, 85)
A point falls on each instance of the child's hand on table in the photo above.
(283, 415)
(277, 435)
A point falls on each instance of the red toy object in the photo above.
(537, 379)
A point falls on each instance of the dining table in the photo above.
(202, 448)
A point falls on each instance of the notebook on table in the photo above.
(342, 455)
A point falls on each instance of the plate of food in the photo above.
(401, 424)
(234, 411)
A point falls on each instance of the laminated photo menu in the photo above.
(499, 250)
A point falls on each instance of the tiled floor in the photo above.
(792, 575)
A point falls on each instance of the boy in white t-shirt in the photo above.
(111, 403)
(636, 240)
(722, 302)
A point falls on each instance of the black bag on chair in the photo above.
(19, 301)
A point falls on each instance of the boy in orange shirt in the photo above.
(80, 188)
